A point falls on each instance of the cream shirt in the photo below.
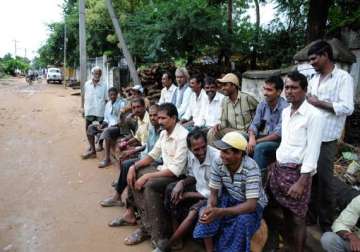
(173, 150)
(301, 137)
(95, 98)
(142, 132)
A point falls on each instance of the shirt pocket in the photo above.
(297, 135)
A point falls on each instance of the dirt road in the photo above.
(49, 196)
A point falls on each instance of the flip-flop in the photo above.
(136, 237)
(104, 163)
(120, 222)
(110, 202)
(89, 154)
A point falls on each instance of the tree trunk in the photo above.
(229, 16)
(317, 17)
(256, 36)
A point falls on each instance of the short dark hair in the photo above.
(320, 48)
(113, 89)
(170, 109)
(298, 77)
(196, 133)
(138, 100)
(199, 78)
(155, 106)
(169, 75)
(277, 81)
(210, 80)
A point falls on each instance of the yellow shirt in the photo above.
(142, 131)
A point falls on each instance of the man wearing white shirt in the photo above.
(331, 91)
(108, 129)
(168, 91)
(94, 104)
(213, 106)
(183, 91)
(297, 156)
(185, 198)
(193, 115)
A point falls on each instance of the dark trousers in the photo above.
(322, 203)
(149, 202)
(124, 169)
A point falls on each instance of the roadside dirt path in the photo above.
(49, 196)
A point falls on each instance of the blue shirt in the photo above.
(112, 110)
(244, 184)
(152, 138)
(266, 120)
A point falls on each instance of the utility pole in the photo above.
(15, 45)
(115, 21)
(65, 41)
(25, 52)
(82, 48)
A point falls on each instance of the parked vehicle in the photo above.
(54, 75)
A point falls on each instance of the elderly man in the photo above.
(183, 91)
(238, 109)
(212, 113)
(183, 199)
(237, 199)
(148, 183)
(331, 91)
(193, 115)
(297, 156)
(94, 106)
(346, 235)
(168, 91)
(265, 129)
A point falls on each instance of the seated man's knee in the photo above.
(329, 241)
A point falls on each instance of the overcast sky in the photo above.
(25, 21)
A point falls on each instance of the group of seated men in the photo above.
(196, 161)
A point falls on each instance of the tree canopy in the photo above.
(171, 30)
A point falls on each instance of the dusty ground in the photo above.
(49, 196)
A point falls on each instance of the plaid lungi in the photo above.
(282, 177)
(231, 233)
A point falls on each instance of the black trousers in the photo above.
(322, 203)
(124, 169)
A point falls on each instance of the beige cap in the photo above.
(230, 77)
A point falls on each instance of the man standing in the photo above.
(212, 113)
(265, 129)
(168, 91)
(183, 91)
(193, 115)
(94, 105)
(238, 109)
(297, 156)
(148, 183)
(331, 91)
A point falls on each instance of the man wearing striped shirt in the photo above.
(331, 91)
(235, 215)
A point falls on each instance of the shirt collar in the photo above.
(303, 108)
(174, 132)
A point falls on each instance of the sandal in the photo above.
(88, 154)
(120, 222)
(110, 202)
(136, 237)
(104, 163)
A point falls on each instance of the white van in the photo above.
(54, 75)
